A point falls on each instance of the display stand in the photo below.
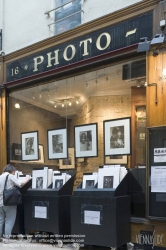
(101, 217)
(48, 210)
(19, 223)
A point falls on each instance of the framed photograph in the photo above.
(116, 159)
(57, 144)
(58, 181)
(86, 142)
(41, 154)
(16, 151)
(89, 180)
(39, 178)
(68, 163)
(109, 177)
(29, 146)
(117, 136)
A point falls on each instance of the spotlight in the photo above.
(87, 85)
(144, 45)
(17, 105)
(159, 38)
(77, 102)
(33, 97)
(70, 103)
(55, 106)
(63, 105)
(107, 79)
(138, 85)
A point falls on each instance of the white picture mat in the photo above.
(41, 160)
(56, 155)
(158, 179)
(40, 173)
(35, 146)
(114, 151)
(92, 217)
(86, 153)
(41, 212)
(58, 177)
(93, 177)
(111, 171)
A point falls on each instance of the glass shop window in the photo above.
(67, 16)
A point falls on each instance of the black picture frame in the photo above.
(57, 143)
(29, 146)
(86, 140)
(17, 151)
(117, 136)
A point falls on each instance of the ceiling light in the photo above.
(55, 106)
(40, 95)
(70, 103)
(33, 97)
(63, 105)
(17, 105)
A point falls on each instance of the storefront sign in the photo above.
(88, 46)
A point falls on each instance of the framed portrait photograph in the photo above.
(86, 141)
(17, 151)
(68, 163)
(39, 178)
(117, 136)
(41, 154)
(29, 146)
(58, 181)
(57, 144)
(116, 159)
(89, 180)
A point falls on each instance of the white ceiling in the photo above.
(103, 82)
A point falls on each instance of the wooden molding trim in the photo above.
(105, 21)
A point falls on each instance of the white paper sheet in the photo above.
(108, 177)
(41, 212)
(159, 151)
(92, 217)
(158, 179)
(89, 181)
(159, 158)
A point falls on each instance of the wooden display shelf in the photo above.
(33, 163)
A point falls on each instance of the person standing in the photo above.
(8, 213)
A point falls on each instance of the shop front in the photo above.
(66, 91)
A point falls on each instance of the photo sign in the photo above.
(94, 44)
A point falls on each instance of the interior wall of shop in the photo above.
(32, 118)
(94, 110)
(24, 22)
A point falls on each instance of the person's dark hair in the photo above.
(9, 168)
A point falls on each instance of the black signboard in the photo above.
(88, 46)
